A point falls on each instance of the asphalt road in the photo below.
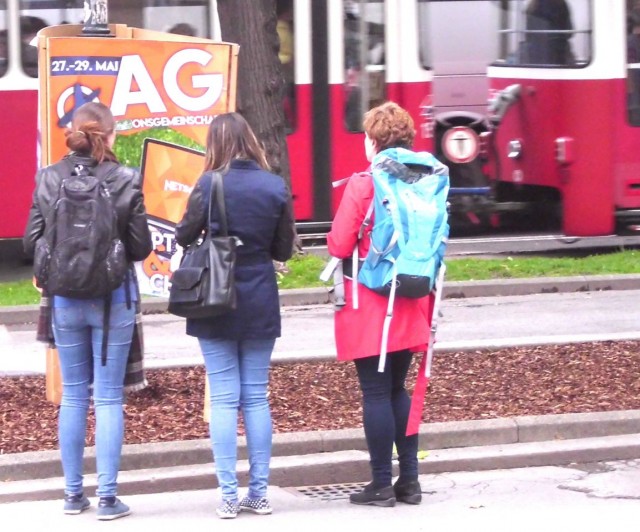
(464, 324)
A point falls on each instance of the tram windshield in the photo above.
(458, 52)
(544, 33)
(185, 17)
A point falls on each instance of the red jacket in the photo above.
(359, 332)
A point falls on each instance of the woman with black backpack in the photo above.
(86, 227)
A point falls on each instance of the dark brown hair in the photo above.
(389, 125)
(91, 127)
(230, 137)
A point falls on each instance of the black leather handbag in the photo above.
(203, 286)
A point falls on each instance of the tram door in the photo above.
(626, 155)
(373, 56)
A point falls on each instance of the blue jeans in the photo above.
(238, 374)
(385, 412)
(78, 333)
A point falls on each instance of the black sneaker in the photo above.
(374, 496)
(408, 492)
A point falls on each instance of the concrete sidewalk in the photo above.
(554, 498)
(331, 457)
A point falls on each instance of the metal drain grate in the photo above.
(331, 492)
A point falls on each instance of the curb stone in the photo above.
(433, 436)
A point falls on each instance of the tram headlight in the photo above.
(514, 149)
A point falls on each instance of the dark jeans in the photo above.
(385, 405)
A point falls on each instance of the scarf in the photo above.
(135, 378)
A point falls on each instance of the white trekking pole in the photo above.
(434, 319)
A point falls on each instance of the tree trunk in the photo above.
(261, 82)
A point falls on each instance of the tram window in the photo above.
(364, 59)
(188, 17)
(286, 54)
(4, 42)
(544, 33)
(30, 25)
(463, 47)
(633, 62)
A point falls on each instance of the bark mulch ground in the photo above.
(574, 378)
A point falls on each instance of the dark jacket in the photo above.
(258, 209)
(125, 188)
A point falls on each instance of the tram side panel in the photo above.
(18, 136)
(300, 145)
(587, 178)
(626, 170)
(551, 116)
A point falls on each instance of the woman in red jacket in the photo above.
(386, 403)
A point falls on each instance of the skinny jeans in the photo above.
(78, 330)
(385, 409)
(238, 375)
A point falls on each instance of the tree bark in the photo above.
(261, 82)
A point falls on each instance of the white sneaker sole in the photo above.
(112, 517)
(266, 511)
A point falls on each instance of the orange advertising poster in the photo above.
(169, 173)
(154, 88)
(163, 90)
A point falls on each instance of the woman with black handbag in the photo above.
(237, 345)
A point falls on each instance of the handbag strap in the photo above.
(217, 193)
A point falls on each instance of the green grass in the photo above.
(304, 270)
(128, 148)
(18, 293)
(519, 267)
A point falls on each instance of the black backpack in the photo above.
(80, 254)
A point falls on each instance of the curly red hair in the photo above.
(389, 125)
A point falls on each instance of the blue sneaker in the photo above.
(75, 503)
(110, 508)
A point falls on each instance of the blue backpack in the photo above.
(411, 226)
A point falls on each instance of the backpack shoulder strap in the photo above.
(104, 169)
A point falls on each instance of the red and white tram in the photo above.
(430, 56)
(566, 111)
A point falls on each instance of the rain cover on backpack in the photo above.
(411, 226)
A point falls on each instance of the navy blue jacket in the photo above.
(259, 213)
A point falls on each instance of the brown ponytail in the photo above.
(91, 127)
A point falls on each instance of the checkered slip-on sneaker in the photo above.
(228, 510)
(258, 506)
(75, 504)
